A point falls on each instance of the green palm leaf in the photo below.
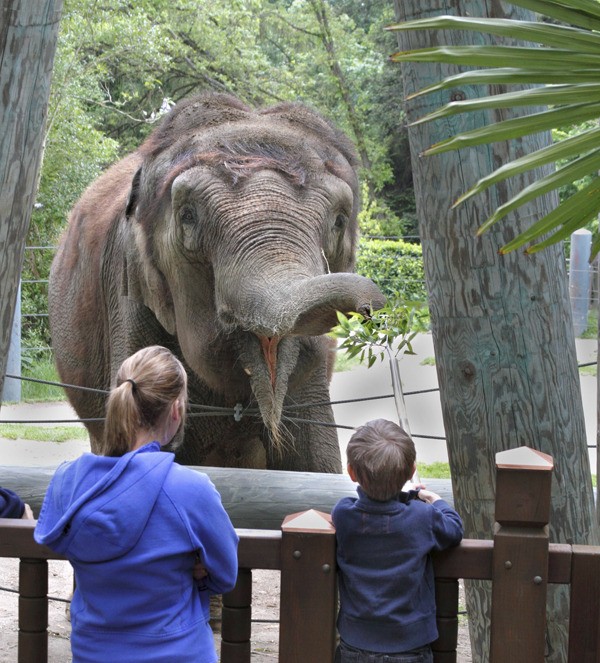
(509, 76)
(518, 126)
(566, 175)
(557, 36)
(507, 56)
(553, 95)
(566, 68)
(567, 213)
(565, 149)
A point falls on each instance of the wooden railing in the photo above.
(519, 562)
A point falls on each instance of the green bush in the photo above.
(395, 266)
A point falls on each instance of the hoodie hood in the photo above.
(97, 507)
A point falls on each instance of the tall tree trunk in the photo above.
(502, 326)
(28, 35)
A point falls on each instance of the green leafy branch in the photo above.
(387, 332)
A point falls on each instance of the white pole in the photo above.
(580, 278)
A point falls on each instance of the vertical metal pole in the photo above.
(11, 391)
(400, 404)
(580, 277)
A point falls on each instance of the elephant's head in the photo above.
(245, 226)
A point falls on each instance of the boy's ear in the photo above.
(351, 472)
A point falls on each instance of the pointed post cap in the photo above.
(524, 458)
(312, 521)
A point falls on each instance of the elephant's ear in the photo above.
(144, 284)
(132, 199)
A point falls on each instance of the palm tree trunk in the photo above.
(502, 326)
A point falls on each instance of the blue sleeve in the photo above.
(447, 526)
(11, 505)
(212, 533)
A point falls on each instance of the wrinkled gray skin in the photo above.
(226, 237)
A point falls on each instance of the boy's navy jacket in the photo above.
(386, 580)
(133, 527)
(11, 505)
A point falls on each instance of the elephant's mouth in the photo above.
(269, 348)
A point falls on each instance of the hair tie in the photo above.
(133, 384)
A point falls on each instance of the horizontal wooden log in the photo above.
(254, 499)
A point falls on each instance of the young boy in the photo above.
(384, 537)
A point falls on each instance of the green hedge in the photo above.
(395, 266)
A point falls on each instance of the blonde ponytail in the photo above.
(147, 384)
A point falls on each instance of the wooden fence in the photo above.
(519, 561)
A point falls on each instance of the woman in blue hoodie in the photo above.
(138, 529)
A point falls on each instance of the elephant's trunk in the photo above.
(306, 307)
(273, 318)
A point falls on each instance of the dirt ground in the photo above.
(265, 605)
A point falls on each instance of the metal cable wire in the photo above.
(237, 412)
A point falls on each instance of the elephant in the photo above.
(229, 237)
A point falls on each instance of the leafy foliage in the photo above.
(395, 266)
(386, 333)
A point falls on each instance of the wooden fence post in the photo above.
(520, 559)
(236, 625)
(308, 589)
(33, 610)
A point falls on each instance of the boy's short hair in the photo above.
(382, 455)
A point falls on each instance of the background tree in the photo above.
(27, 47)
(501, 324)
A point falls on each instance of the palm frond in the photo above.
(562, 71)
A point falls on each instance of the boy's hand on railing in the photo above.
(28, 513)
(428, 496)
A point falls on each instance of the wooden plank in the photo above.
(471, 559)
(17, 541)
(259, 549)
(584, 621)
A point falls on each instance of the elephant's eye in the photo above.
(187, 216)
(341, 221)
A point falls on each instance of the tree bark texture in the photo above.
(502, 326)
(28, 35)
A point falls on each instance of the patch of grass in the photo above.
(437, 470)
(592, 328)
(34, 392)
(42, 433)
(589, 370)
